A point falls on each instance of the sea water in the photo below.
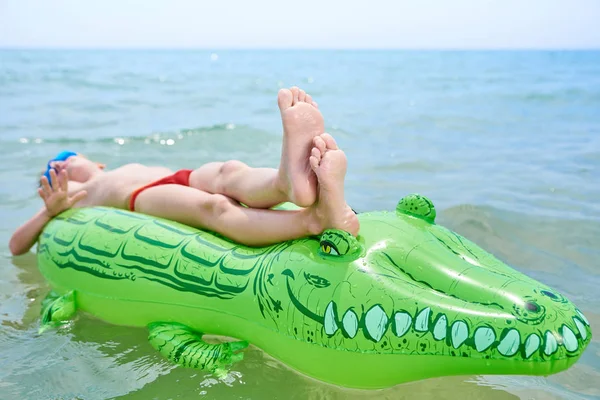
(506, 144)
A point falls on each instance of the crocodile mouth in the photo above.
(376, 323)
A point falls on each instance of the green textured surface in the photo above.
(408, 300)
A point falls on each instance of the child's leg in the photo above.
(255, 187)
(265, 187)
(256, 227)
(218, 213)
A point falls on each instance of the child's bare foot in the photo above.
(329, 164)
(302, 121)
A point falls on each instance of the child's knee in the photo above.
(231, 167)
(218, 204)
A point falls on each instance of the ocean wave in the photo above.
(565, 95)
(183, 148)
(155, 137)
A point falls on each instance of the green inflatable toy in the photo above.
(406, 300)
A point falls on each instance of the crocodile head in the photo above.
(407, 286)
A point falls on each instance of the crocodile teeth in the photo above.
(350, 323)
(460, 333)
(484, 337)
(402, 323)
(583, 317)
(581, 328)
(329, 320)
(376, 322)
(531, 344)
(569, 339)
(422, 320)
(510, 344)
(551, 345)
(439, 330)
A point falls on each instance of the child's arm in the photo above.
(27, 234)
(56, 200)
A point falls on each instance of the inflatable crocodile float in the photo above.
(406, 300)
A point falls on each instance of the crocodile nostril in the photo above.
(531, 306)
(549, 294)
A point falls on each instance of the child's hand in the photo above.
(57, 197)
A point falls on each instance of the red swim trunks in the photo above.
(181, 177)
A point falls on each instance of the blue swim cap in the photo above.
(62, 156)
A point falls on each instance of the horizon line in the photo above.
(260, 48)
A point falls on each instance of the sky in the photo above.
(414, 24)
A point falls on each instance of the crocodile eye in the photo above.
(334, 242)
(329, 248)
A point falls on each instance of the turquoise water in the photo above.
(506, 144)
